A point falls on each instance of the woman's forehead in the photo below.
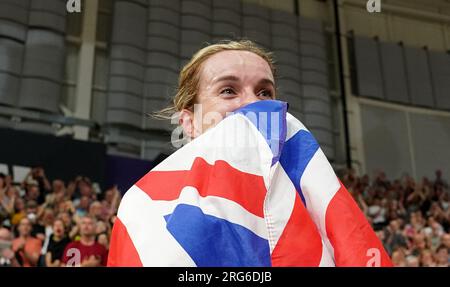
(241, 64)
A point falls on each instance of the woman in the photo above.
(56, 244)
(205, 229)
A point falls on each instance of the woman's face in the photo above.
(58, 228)
(228, 81)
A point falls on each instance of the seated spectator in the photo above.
(377, 211)
(419, 243)
(67, 221)
(442, 259)
(7, 256)
(37, 229)
(110, 202)
(57, 195)
(19, 211)
(445, 239)
(46, 219)
(87, 251)
(394, 236)
(83, 188)
(26, 247)
(95, 210)
(36, 177)
(412, 261)
(32, 192)
(398, 258)
(426, 258)
(439, 182)
(56, 245)
(7, 200)
(83, 206)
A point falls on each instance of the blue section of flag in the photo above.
(297, 153)
(269, 117)
(218, 242)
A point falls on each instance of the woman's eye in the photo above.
(227, 91)
(266, 94)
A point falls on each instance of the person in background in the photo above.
(26, 247)
(56, 245)
(19, 211)
(412, 261)
(82, 208)
(399, 258)
(445, 239)
(37, 177)
(87, 251)
(426, 258)
(46, 219)
(7, 256)
(33, 193)
(442, 259)
(33, 211)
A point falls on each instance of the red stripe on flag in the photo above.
(219, 179)
(300, 243)
(353, 239)
(122, 252)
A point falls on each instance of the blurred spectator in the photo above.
(426, 258)
(57, 243)
(412, 261)
(19, 211)
(83, 206)
(7, 256)
(394, 236)
(89, 252)
(445, 239)
(26, 247)
(398, 258)
(37, 229)
(442, 259)
(439, 181)
(7, 200)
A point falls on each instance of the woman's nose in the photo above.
(248, 98)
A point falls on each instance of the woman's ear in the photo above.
(186, 121)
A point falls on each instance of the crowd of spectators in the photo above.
(59, 223)
(55, 223)
(411, 218)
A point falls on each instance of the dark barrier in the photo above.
(61, 157)
(124, 172)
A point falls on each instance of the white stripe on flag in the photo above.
(327, 255)
(293, 126)
(146, 227)
(278, 204)
(319, 184)
(234, 140)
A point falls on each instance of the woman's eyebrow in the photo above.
(226, 78)
(236, 79)
(266, 81)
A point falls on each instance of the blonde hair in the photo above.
(189, 78)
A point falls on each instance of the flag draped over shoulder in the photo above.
(255, 190)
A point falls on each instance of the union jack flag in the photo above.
(255, 190)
